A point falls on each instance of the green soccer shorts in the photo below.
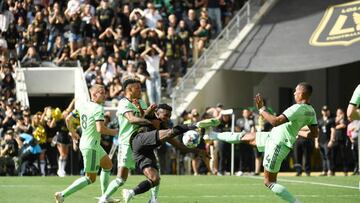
(274, 153)
(125, 157)
(92, 159)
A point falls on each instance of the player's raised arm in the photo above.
(273, 120)
(353, 112)
(136, 120)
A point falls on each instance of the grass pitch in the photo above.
(189, 189)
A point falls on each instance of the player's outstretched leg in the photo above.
(75, 186)
(206, 123)
(111, 189)
(225, 136)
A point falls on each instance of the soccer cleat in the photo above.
(211, 122)
(152, 200)
(127, 195)
(103, 199)
(59, 198)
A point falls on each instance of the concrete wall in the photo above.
(236, 89)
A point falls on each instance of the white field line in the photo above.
(311, 183)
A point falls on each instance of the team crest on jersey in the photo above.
(339, 26)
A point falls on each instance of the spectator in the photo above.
(56, 21)
(223, 148)
(29, 153)
(40, 30)
(105, 16)
(109, 70)
(202, 34)
(75, 38)
(326, 140)
(88, 23)
(184, 34)
(8, 154)
(339, 147)
(152, 58)
(31, 58)
(135, 34)
(151, 15)
(246, 152)
(215, 12)
(21, 30)
(303, 148)
(115, 89)
(175, 51)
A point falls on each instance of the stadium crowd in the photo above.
(153, 40)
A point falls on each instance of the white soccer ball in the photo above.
(191, 138)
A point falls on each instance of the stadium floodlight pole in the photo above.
(231, 112)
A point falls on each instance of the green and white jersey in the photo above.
(355, 99)
(299, 115)
(89, 113)
(126, 129)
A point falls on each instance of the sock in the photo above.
(42, 167)
(180, 129)
(78, 184)
(104, 179)
(282, 192)
(154, 192)
(229, 137)
(63, 164)
(211, 122)
(143, 187)
(113, 186)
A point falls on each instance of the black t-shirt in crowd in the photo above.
(325, 129)
(340, 134)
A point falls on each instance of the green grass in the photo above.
(189, 189)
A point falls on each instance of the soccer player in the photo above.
(92, 125)
(141, 142)
(300, 118)
(135, 110)
(353, 109)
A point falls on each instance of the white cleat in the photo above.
(127, 195)
(297, 201)
(153, 200)
(59, 198)
(108, 200)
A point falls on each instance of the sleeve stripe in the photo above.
(100, 120)
(354, 104)
(285, 117)
(314, 124)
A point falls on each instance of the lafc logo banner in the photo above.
(339, 26)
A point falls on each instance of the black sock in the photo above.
(143, 187)
(180, 129)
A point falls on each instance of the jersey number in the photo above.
(84, 121)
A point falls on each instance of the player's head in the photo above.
(303, 91)
(97, 93)
(132, 88)
(163, 112)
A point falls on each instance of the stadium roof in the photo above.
(301, 35)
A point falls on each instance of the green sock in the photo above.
(211, 122)
(113, 186)
(78, 184)
(229, 137)
(282, 192)
(154, 192)
(104, 179)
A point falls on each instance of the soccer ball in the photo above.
(191, 139)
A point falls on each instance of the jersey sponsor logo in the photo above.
(339, 26)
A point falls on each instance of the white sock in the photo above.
(42, 167)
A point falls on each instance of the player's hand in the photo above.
(259, 102)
